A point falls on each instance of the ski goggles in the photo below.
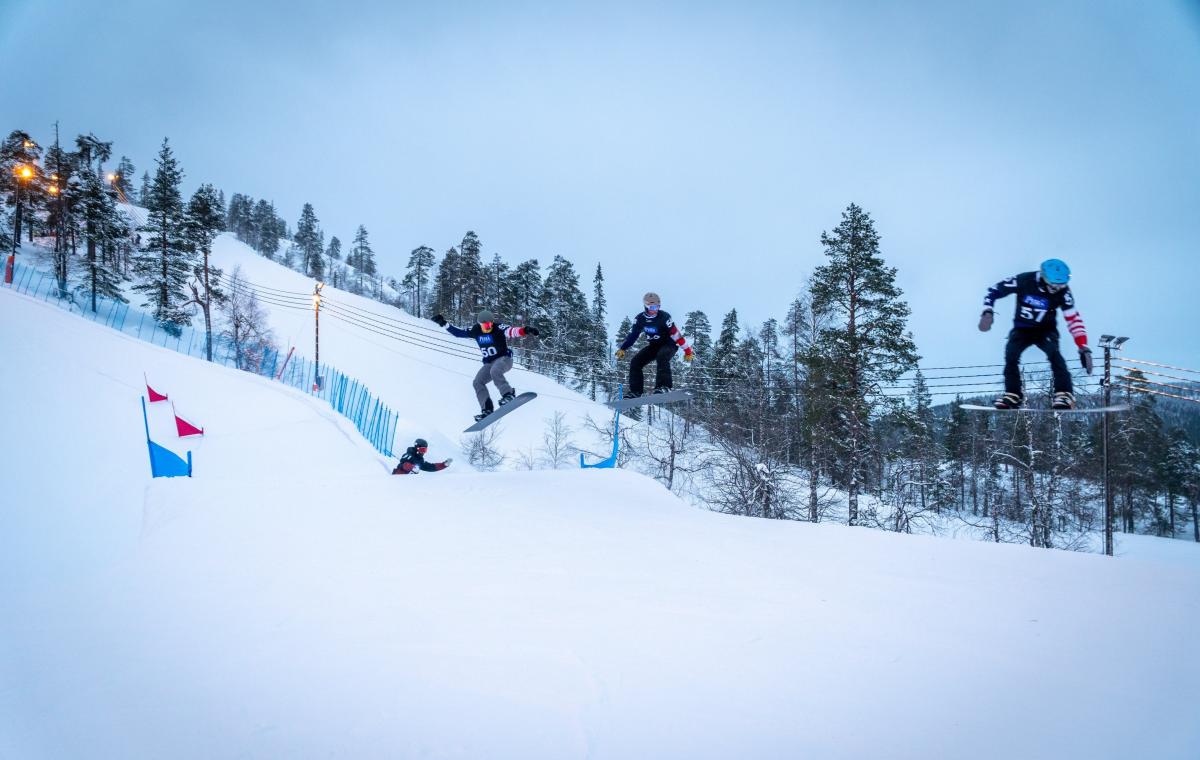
(486, 326)
(652, 306)
(422, 449)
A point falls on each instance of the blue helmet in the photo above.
(1056, 272)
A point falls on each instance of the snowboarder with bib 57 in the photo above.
(492, 338)
(663, 339)
(1039, 297)
(414, 459)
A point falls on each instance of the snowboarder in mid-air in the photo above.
(414, 459)
(1039, 296)
(663, 340)
(492, 338)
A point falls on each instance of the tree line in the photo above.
(796, 418)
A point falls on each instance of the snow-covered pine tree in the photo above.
(598, 375)
(165, 262)
(445, 283)
(421, 262)
(308, 241)
(866, 342)
(205, 218)
(102, 227)
(564, 338)
(264, 226)
(697, 376)
(494, 276)
(19, 150)
(123, 181)
(334, 253)
(470, 281)
(144, 190)
(362, 258)
(61, 209)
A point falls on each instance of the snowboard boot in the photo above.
(508, 397)
(1008, 401)
(631, 394)
(1063, 401)
(661, 390)
(485, 411)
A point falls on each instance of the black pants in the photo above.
(1047, 341)
(659, 351)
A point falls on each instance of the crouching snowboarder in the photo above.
(414, 459)
(1039, 297)
(663, 340)
(492, 338)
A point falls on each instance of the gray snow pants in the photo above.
(492, 372)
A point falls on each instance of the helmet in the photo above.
(421, 443)
(651, 297)
(1056, 272)
(485, 316)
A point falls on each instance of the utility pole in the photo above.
(317, 336)
(1109, 344)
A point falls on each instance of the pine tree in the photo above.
(445, 287)
(334, 254)
(308, 240)
(597, 342)
(264, 228)
(728, 378)
(565, 335)
(522, 291)
(102, 227)
(205, 220)
(19, 152)
(123, 181)
(165, 263)
(866, 343)
(362, 258)
(420, 264)
(144, 192)
(494, 276)
(471, 282)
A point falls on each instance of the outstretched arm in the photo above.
(457, 332)
(1074, 319)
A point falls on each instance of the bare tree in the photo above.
(557, 446)
(481, 450)
(246, 325)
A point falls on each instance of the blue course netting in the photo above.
(347, 396)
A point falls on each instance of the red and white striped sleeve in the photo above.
(680, 340)
(1074, 320)
(514, 332)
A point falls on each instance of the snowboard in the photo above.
(650, 398)
(1047, 410)
(520, 400)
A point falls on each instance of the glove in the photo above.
(440, 320)
(620, 353)
(531, 331)
(985, 320)
(447, 462)
(1085, 358)
(688, 356)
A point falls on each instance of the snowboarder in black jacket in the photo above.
(1039, 297)
(414, 459)
(492, 339)
(663, 339)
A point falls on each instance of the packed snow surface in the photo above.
(294, 600)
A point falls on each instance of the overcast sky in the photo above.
(695, 149)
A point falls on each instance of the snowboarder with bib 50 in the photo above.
(663, 339)
(1039, 297)
(492, 339)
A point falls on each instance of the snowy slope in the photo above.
(430, 389)
(293, 601)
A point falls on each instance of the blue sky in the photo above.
(698, 149)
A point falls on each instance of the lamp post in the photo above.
(317, 336)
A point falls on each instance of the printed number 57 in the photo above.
(1033, 315)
